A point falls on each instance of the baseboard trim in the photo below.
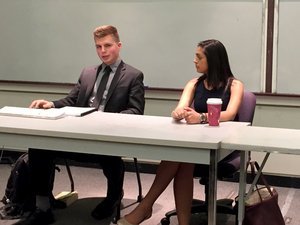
(150, 168)
(273, 180)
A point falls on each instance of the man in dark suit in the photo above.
(122, 92)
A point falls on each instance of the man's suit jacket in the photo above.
(125, 94)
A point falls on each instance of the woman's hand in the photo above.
(191, 116)
(179, 113)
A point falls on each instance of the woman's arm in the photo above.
(236, 97)
(186, 99)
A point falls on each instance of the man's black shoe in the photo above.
(105, 209)
(38, 217)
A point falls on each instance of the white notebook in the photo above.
(77, 111)
(32, 112)
(52, 113)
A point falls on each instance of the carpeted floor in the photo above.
(91, 187)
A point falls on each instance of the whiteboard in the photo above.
(52, 41)
(288, 78)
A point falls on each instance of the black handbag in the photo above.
(262, 206)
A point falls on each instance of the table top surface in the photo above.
(125, 128)
(264, 139)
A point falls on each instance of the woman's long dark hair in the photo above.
(218, 71)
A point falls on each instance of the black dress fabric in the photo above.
(202, 94)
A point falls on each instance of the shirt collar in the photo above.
(113, 66)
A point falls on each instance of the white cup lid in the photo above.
(214, 101)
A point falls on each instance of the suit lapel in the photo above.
(118, 75)
(91, 81)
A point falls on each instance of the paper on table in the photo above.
(77, 111)
(32, 112)
(53, 113)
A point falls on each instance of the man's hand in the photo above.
(41, 104)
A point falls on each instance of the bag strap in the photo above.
(253, 165)
(253, 177)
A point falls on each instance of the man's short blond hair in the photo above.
(103, 31)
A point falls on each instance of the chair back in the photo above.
(247, 108)
(231, 163)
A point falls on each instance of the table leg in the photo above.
(242, 187)
(257, 176)
(212, 192)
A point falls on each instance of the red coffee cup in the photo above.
(214, 106)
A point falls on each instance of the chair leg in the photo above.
(70, 175)
(197, 206)
(6, 160)
(140, 196)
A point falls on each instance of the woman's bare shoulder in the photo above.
(190, 86)
(193, 81)
(237, 83)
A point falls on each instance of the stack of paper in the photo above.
(77, 111)
(32, 112)
(52, 113)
